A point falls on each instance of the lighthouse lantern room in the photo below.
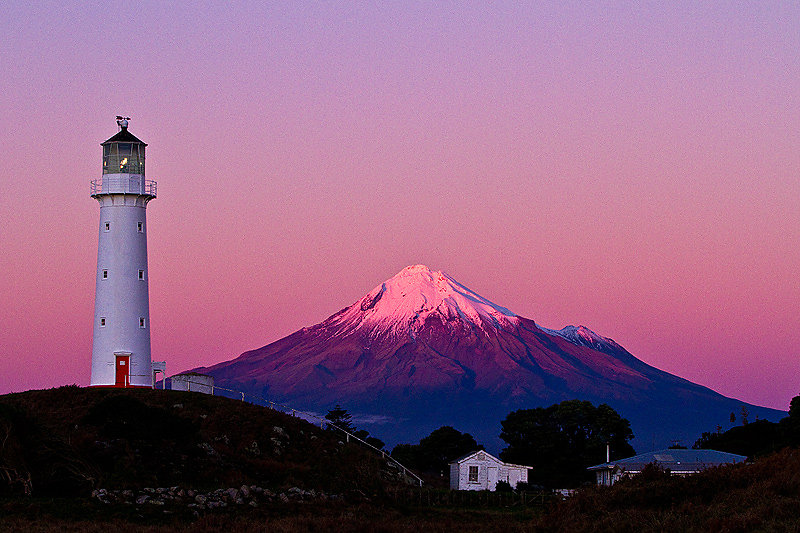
(121, 341)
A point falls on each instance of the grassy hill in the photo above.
(69, 441)
(58, 446)
(762, 496)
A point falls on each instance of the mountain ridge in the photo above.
(424, 350)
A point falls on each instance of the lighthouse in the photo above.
(121, 340)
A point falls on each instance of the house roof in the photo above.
(488, 455)
(674, 459)
(465, 457)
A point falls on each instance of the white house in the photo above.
(678, 462)
(480, 470)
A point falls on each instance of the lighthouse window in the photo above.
(105, 274)
(107, 226)
(102, 321)
(139, 227)
(141, 322)
(141, 274)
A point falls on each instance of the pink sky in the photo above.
(631, 169)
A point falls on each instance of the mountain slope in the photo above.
(421, 350)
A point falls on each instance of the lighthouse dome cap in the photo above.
(123, 136)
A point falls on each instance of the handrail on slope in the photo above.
(286, 408)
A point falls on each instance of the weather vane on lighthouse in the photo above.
(121, 340)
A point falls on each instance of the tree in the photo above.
(364, 435)
(343, 421)
(434, 452)
(559, 442)
(758, 438)
(339, 417)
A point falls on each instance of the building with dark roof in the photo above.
(676, 461)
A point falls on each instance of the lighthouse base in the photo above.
(119, 387)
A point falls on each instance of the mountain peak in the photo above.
(583, 336)
(404, 302)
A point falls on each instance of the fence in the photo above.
(310, 417)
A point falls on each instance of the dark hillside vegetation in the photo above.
(59, 445)
(759, 438)
(68, 441)
(763, 496)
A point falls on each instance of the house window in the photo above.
(102, 321)
(140, 227)
(105, 274)
(107, 226)
(141, 274)
(473, 474)
(142, 322)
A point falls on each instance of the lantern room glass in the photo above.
(123, 158)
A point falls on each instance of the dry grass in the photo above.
(764, 496)
(70, 440)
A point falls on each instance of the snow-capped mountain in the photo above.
(423, 351)
(400, 306)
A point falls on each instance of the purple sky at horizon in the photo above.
(633, 169)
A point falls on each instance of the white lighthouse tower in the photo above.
(121, 343)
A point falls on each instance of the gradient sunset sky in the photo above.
(633, 167)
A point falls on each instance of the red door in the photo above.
(123, 371)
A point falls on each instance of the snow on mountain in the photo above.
(425, 351)
(583, 336)
(403, 304)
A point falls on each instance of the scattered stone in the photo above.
(254, 449)
(206, 447)
(251, 495)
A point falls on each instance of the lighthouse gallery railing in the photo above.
(123, 184)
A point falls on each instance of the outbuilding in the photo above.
(193, 382)
(481, 470)
(680, 462)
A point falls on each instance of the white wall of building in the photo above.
(489, 470)
(193, 383)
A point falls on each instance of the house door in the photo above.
(123, 371)
(492, 478)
